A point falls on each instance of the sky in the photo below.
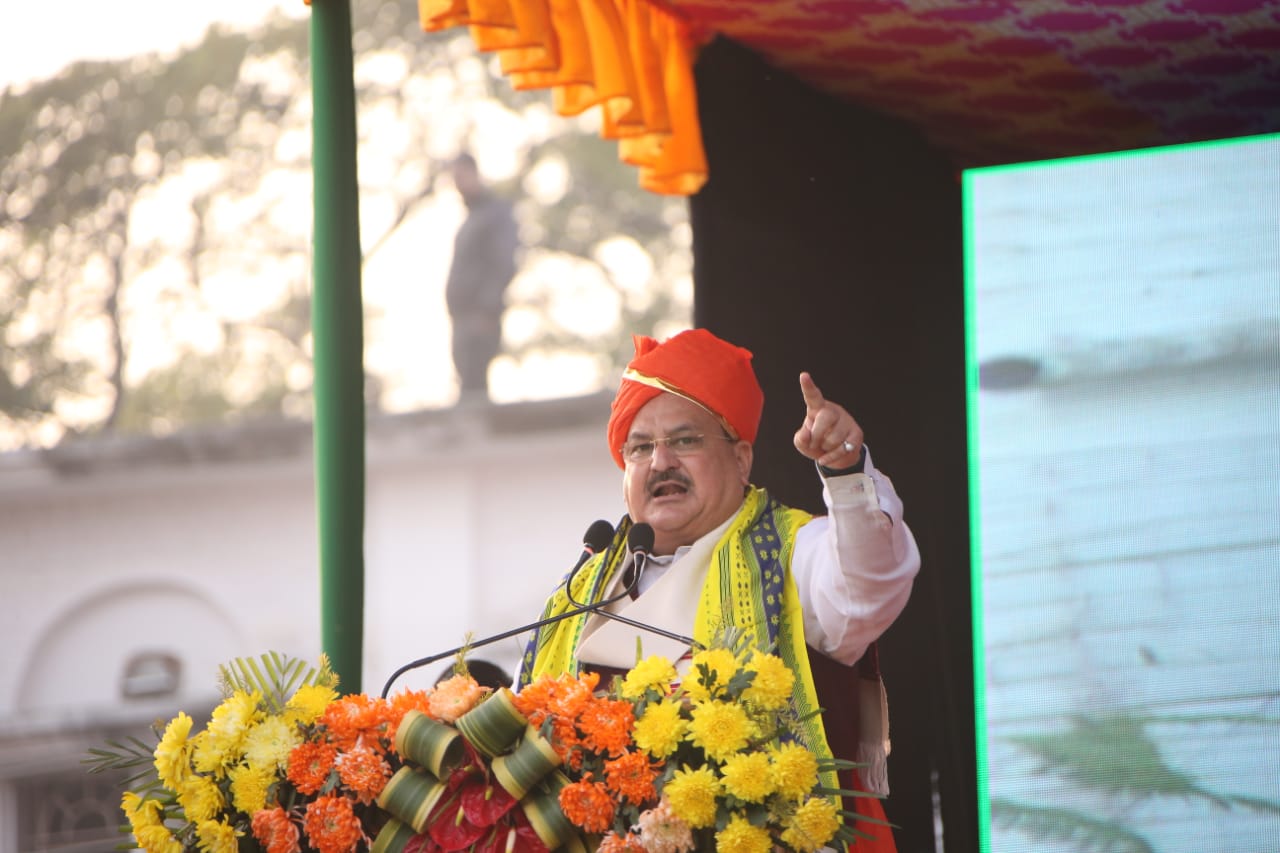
(39, 39)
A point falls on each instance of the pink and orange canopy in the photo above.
(989, 81)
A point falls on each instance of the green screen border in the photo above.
(975, 516)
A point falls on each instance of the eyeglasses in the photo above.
(685, 444)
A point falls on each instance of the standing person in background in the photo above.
(822, 589)
(484, 262)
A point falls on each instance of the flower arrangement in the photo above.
(653, 765)
(284, 761)
(710, 762)
(478, 785)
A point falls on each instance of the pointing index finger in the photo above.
(813, 398)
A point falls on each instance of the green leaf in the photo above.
(861, 818)
(120, 756)
(845, 792)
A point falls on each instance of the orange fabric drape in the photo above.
(631, 58)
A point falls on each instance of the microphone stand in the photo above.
(634, 623)
(577, 611)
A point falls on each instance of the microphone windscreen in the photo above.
(640, 538)
(598, 536)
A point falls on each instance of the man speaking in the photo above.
(823, 588)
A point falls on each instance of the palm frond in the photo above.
(131, 756)
(274, 676)
(121, 756)
(1085, 834)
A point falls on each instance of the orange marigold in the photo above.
(331, 825)
(563, 695)
(354, 716)
(564, 737)
(310, 764)
(402, 703)
(606, 725)
(454, 697)
(631, 777)
(364, 772)
(587, 804)
(576, 694)
(614, 843)
(275, 831)
(411, 700)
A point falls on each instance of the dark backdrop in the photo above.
(828, 239)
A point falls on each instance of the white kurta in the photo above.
(853, 569)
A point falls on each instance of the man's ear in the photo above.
(744, 453)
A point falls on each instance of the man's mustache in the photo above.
(661, 477)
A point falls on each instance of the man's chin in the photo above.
(667, 523)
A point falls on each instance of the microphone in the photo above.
(595, 540)
(599, 535)
(639, 543)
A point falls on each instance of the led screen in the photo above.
(1123, 319)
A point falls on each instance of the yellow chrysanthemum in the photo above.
(660, 729)
(249, 787)
(795, 770)
(308, 703)
(771, 688)
(746, 776)
(267, 744)
(223, 741)
(739, 836)
(173, 753)
(812, 826)
(200, 798)
(654, 672)
(130, 803)
(139, 812)
(692, 794)
(720, 728)
(721, 665)
(217, 836)
(157, 839)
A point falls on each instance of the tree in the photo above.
(155, 226)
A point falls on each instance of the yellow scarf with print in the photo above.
(748, 585)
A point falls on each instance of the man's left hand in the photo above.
(829, 435)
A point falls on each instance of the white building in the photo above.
(131, 568)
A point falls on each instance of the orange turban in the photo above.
(697, 366)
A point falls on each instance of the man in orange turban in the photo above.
(821, 589)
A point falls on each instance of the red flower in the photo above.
(450, 828)
(484, 803)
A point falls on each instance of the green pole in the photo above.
(338, 340)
